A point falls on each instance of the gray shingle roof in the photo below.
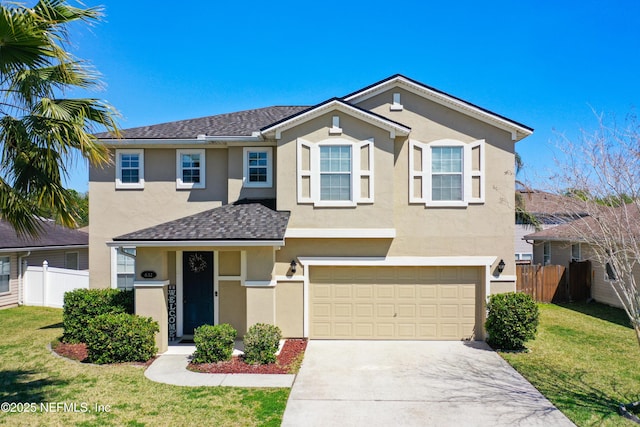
(50, 235)
(241, 123)
(246, 221)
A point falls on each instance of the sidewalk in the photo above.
(171, 368)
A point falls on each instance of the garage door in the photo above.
(410, 303)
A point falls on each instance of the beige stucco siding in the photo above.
(304, 215)
(116, 212)
(233, 305)
(290, 308)
(10, 299)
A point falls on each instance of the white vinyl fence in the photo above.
(45, 286)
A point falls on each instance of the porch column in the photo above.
(151, 301)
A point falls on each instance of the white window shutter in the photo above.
(363, 177)
(474, 171)
(418, 172)
(307, 158)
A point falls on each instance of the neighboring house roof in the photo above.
(241, 123)
(551, 208)
(597, 226)
(239, 221)
(51, 235)
(518, 130)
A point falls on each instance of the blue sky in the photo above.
(546, 64)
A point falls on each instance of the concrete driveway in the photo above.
(413, 383)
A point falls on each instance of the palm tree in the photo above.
(41, 131)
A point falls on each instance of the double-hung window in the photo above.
(257, 165)
(446, 173)
(5, 274)
(335, 172)
(130, 169)
(190, 169)
(126, 268)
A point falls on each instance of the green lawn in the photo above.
(29, 373)
(585, 360)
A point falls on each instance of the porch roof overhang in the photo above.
(192, 243)
(244, 223)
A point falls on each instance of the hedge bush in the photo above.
(261, 343)
(214, 343)
(512, 320)
(81, 305)
(121, 337)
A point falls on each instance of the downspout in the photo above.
(21, 278)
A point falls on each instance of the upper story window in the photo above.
(5, 274)
(190, 169)
(130, 169)
(335, 172)
(258, 167)
(446, 173)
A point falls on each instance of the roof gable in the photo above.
(336, 104)
(518, 131)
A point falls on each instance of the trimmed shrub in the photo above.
(121, 337)
(512, 320)
(261, 343)
(81, 305)
(214, 343)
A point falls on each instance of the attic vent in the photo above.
(335, 126)
(396, 105)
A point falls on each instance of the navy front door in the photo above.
(197, 282)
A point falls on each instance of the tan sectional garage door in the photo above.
(411, 303)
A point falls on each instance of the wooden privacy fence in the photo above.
(544, 283)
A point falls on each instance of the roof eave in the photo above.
(42, 248)
(395, 129)
(194, 243)
(518, 131)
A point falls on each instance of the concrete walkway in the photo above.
(171, 368)
(382, 383)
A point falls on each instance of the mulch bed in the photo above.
(291, 352)
(79, 353)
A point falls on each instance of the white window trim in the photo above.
(180, 185)
(245, 178)
(8, 291)
(356, 172)
(467, 173)
(129, 185)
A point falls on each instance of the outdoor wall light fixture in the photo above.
(501, 265)
(293, 265)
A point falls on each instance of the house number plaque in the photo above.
(148, 274)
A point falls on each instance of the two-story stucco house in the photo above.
(383, 214)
